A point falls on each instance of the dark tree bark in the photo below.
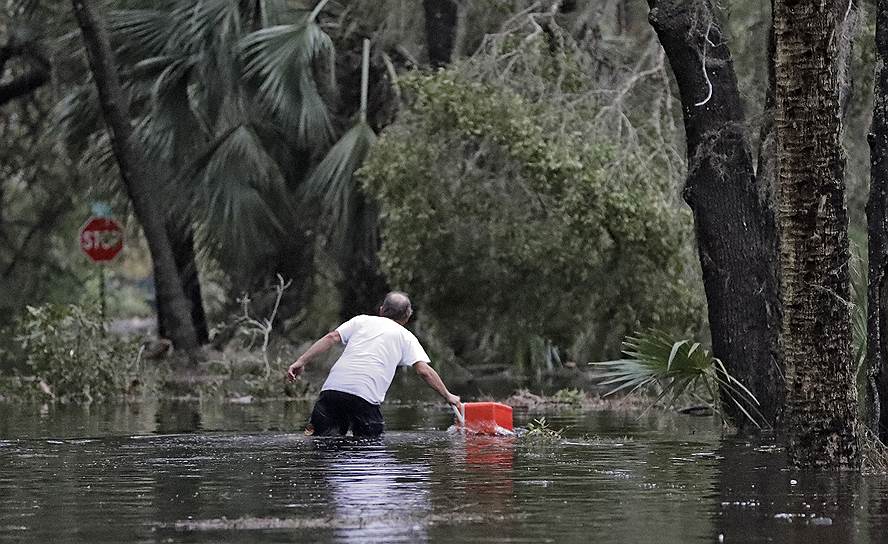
(441, 23)
(734, 226)
(296, 263)
(134, 173)
(363, 285)
(182, 243)
(815, 333)
(877, 230)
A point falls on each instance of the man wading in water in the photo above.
(374, 347)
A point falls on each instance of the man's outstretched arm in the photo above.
(321, 346)
(431, 377)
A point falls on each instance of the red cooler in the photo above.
(487, 417)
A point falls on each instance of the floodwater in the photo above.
(190, 472)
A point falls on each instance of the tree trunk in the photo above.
(363, 284)
(877, 230)
(441, 23)
(182, 243)
(115, 108)
(734, 226)
(812, 219)
(765, 171)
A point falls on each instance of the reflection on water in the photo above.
(762, 500)
(191, 472)
(382, 496)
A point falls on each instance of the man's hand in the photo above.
(431, 377)
(295, 370)
(322, 345)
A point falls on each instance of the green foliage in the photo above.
(68, 354)
(540, 432)
(332, 183)
(499, 222)
(282, 59)
(571, 396)
(41, 192)
(676, 368)
(230, 106)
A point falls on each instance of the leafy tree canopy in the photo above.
(503, 212)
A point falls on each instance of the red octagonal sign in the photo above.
(101, 238)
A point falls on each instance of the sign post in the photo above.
(101, 239)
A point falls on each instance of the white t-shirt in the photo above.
(374, 348)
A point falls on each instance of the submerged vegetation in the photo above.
(64, 354)
(539, 432)
(67, 355)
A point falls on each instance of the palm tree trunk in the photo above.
(182, 244)
(877, 230)
(812, 220)
(734, 224)
(115, 108)
(441, 24)
(363, 284)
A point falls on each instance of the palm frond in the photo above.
(859, 292)
(169, 130)
(222, 100)
(332, 183)
(77, 113)
(198, 24)
(281, 60)
(140, 32)
(676, 367)
(241, 198)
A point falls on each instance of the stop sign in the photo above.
(101, 238)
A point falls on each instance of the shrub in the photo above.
(570, 396)
(504, 224)
(66, 350)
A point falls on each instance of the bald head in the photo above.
(396, 306)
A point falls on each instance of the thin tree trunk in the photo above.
(182, 243)
(363, 284)
(733, 225)
(133, 172)
(877, 229)
(765, 171)
(812, 219)
(441, 22)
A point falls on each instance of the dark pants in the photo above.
(335, 412)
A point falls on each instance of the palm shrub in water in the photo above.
(65, 350)
(675, 368)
